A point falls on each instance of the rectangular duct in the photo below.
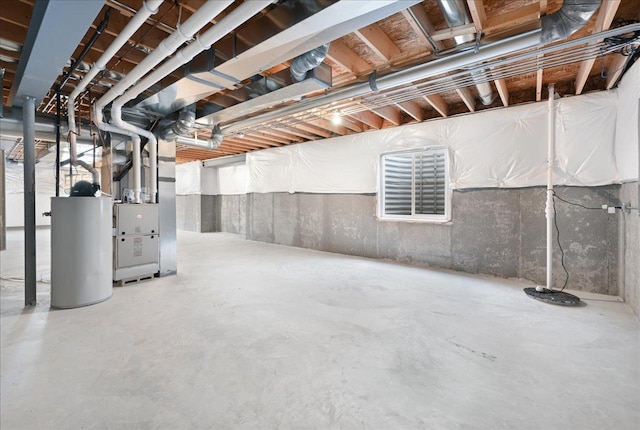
(318, 79)
(239, 60)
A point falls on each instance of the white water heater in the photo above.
(81, 251)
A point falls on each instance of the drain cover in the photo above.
(553, 297)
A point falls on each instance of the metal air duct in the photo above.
(459, 60)
(571, 17)
(308, 61)
(455, 13)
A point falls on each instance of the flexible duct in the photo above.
(572, 16)
(308, 61)
(456, 61)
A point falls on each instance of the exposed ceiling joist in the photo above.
(467, 98)
(606, 13)
(438, 103)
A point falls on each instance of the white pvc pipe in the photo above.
(549, 211)
(184, 32)
(148, 8)
(203, 42)
(135, 176)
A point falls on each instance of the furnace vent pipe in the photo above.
(203, 42)
(301, 65)
(148, 8)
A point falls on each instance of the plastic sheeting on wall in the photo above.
(626, 146)
(499, 148)
(188, 178)
(596, 144)
(194, 178)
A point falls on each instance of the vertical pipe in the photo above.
(549, 211)
(3, 208)
(29, 123)
(58, 119)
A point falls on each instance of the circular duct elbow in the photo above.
(308, 61)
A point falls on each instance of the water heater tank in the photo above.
(81, 251)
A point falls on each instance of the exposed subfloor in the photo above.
(258, 336)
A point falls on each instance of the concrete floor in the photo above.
(252, 335)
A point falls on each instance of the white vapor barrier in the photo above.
(194, 178)
(504, 148)
(626, 149)
(188, 178)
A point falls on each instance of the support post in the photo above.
(29, 122)
(58, 116)
(3, 208)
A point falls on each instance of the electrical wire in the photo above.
(555, 222)
(574, 203)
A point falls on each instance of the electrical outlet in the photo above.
(611, 210)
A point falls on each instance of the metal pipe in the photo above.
(29, 122)
(87, 47)
(308, 61)
(148, 8)
(3, 209)
(416, 73)
(58, 125)
(455, 14)
(204, 42)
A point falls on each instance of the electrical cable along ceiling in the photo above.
(225, 78)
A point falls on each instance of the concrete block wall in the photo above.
(207, 213)
(500, 232)
(493, 231)
(629, 255)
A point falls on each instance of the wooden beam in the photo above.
(297, 132)
(420, 23)
(341, 54)
(438, 103)
(281, 134)
(328, 125)
(501, 85)
(606, 14)
(615, 70)
(452, 32)
(369, 118)
(478, 14)
(539, 85)
(467, 98)
(389, 113)
(376, 39)
(512, 19)
(543, 7)
(413, 109)
(313, 129)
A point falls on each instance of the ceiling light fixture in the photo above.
(336, 118)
